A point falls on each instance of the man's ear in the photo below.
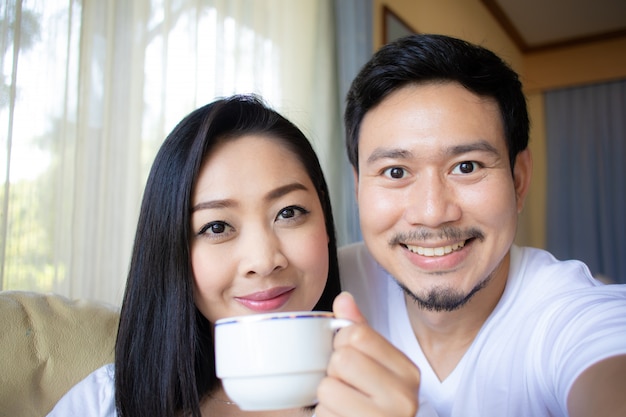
(356, 183)
(521, 176)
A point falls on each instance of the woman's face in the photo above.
(259, 241)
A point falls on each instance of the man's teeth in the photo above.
(444, 250)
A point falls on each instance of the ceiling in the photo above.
(542, 24)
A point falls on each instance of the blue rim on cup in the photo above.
(275, 316)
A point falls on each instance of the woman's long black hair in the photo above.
(164, 354)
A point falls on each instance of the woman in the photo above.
(235, 219)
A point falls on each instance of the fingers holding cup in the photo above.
(366, 375)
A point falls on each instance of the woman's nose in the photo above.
(261, 253)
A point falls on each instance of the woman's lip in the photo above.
(266, 300)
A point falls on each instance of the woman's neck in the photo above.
(217, 404)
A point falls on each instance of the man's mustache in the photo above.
(445, 233)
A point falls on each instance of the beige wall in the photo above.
(465, 19)
(583, 64)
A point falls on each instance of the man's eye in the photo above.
(395, 172)
(465, 167)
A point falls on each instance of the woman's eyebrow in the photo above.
(272, 195)
(213, 204)
(285, 189)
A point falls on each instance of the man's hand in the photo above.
(366, 376)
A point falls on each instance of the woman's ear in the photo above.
(521, 176)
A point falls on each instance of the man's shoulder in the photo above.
(558, 290)
(355, 262)
(539, 265)
(366, 280)
(352, 248)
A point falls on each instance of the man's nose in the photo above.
(431, 201)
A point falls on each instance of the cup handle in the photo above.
(336, 324)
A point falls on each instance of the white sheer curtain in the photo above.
(91, 88)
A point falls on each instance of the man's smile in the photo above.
(438, 251)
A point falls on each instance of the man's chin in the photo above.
(442, 299)
(440, 302)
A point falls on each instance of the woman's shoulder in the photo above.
(94, 396)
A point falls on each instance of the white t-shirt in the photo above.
(553, 321)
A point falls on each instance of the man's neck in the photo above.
(445, 336)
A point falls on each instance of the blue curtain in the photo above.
(353, 28)
(586, 151)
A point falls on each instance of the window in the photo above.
(91, 88)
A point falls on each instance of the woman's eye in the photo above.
(215, 228)
(465, 167)
(395, 172)
(291, 212)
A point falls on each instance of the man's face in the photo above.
(437, 200)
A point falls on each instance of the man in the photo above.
(437, 133)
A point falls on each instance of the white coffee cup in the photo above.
(274, 361)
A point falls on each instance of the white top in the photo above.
(553, 321)
(94, 396)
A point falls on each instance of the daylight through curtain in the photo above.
(91, 88)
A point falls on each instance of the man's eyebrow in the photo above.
(388, 153)
(397, 153)
(479, 146)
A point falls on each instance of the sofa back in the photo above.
(48, 343)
